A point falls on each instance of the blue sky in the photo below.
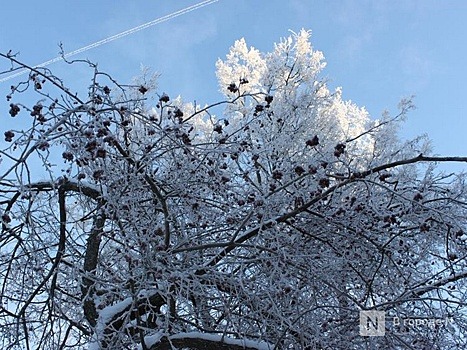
(378, 50)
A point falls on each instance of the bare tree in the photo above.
(131, 220)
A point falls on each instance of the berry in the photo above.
(313, 142)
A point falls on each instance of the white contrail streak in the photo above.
(116, 36)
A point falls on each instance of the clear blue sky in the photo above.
(377, 50)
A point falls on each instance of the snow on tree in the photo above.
(131, 220)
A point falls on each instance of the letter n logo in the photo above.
(372, 323)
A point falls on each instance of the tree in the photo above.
(131, 220)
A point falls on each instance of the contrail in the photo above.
(116, 36)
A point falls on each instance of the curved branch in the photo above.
(45, 76)
(252, 233)
(90, 264)
(58, 256)
(114, 323)
(206, 342)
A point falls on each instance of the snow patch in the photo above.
(259, 345)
